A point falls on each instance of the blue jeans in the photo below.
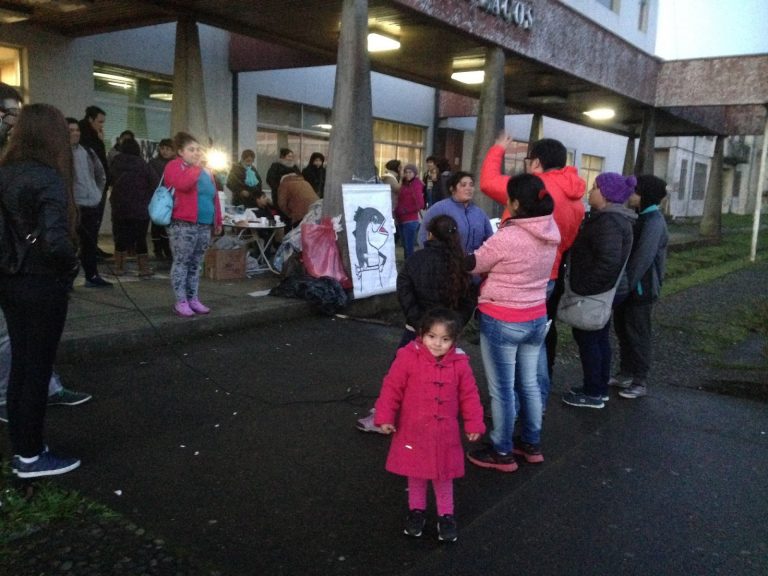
(542, 371)
(503, 346)
(409, 230)
(595, 354)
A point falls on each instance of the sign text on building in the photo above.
(512, 11)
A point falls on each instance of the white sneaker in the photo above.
(366, 424)
(620, 381)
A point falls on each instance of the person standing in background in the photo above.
(88, 183)
(645, 275)
(165, 153)
(92, 137)
(314, 173)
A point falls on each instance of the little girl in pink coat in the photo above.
(429, 384)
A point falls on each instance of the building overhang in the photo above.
(560, 65)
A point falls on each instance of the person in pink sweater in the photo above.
(546, 159)
(429, 384)
(516, 262)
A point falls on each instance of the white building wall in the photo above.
(623, 23)
(58, 69)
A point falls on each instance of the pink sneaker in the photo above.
(198, 307)
(182, 309)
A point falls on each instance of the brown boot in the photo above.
(144, 270)
(119, 268)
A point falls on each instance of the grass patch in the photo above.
(702, 264)
(33, 506)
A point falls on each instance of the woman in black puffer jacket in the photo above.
(596, 259)
(36, 195)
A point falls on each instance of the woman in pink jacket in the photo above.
(428, 386)
(196, 214)
(513, 318)
(410, 199)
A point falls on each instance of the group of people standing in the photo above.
(516, 276)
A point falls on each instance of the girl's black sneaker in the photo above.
(447, 530)
(414, 524)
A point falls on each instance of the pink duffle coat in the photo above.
(423, 398)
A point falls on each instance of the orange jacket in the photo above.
(564, 185)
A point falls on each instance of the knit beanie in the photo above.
(615, 187)
(651, 190)
(412, 168)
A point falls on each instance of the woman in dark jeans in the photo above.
(36, 195)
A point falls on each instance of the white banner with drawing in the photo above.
(370, 238)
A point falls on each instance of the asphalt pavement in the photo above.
(227, 443)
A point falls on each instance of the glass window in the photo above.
(305, 129)
(736, 184)
(683, 179)
(10, 67)
(642, 22)
(514, 159)
(134, 100)
(698, 189)
(591, 166)
(610, 4)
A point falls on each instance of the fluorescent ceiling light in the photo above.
(469, 76)
(124, 85)
(600, 113)
(548, 97)
(11, 15)
(378, 42)
(166, 96)
(322, 126)
(113, 77)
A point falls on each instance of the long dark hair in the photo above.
(444, 229)
(531, 195)
(42, 135)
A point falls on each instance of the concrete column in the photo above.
(759, 191)
(644, 163)
(188, 111)
(713, 201)
(490, 120)
(350, 149)
(629, 157)
(537, 130)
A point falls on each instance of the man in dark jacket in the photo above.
(92, 138)
(645, 273)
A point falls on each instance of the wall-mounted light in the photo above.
(469, 70)
(16, 14)
(382, 42)
(600, 113)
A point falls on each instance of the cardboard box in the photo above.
(225, 264)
